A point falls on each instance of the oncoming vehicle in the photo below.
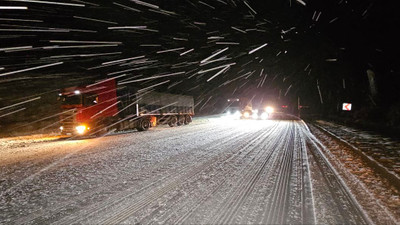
(242, 108)
(234, 108)
(257, 114)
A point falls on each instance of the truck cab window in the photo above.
(71, 100)
(90, 99)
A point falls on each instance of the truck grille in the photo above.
(67, 120)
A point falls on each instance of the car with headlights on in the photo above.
(257, 114)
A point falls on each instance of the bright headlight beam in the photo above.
(80, 129)
(269, 109)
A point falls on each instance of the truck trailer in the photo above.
(103, 106)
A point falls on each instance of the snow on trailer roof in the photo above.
(158, 98)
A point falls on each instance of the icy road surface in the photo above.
(212, 171)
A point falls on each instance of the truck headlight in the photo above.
(81, 129)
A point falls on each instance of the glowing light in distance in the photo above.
(61, 128)
(246, 115)
(269, 109)
(77, 92)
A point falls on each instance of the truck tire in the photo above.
(101, 132)
(172, 121)
(143, 125)
(181, 120)
(188, 119)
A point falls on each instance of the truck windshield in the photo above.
(234, 102)
(90, 99)
(71, 100)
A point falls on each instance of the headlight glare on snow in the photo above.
(264, 116)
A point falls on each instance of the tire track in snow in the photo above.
(254, 145)
(166, 188)
(114, 200)
(164, 137)
(248, 181)
(344, 203)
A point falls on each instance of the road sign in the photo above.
(346, 107)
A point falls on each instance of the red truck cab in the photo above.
(86, 107)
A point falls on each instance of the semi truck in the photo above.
(103, 106)
(235, 106)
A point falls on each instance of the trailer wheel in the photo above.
(172, 121)
(101, 128)
(188, 119)
(144, 125)
(181, 120)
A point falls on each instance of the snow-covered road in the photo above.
(213, 171)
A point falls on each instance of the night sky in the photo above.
(318, 51)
